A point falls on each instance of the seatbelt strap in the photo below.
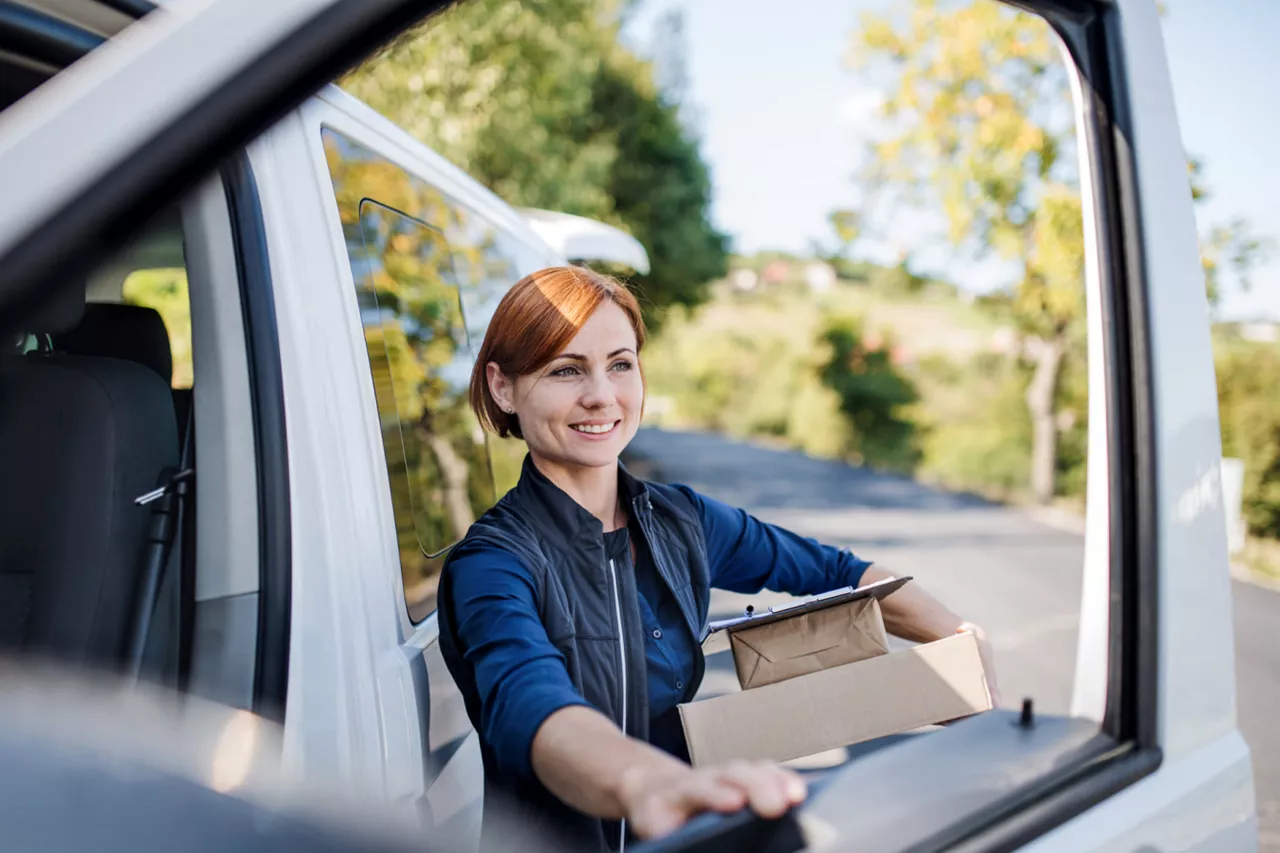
(167, 502)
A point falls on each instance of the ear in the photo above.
(501, 387)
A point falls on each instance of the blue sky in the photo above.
(781, 120)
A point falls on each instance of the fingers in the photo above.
(666, 810)
(770, 790)
(767, 789)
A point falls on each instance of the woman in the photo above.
(572, 612)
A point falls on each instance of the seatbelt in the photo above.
(167, 503)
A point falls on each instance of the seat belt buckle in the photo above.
(171, 486)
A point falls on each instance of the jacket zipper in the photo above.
(622, 656)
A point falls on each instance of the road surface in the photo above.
(1018, 578)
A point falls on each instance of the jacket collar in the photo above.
(556, 511)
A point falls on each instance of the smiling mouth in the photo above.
(595, 429)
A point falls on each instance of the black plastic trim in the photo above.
(1138, 694)
(132, 8)
(742, 830)
(1108, 777)
(940, 788)
(266, 392)
(32, 34)
(162, 168)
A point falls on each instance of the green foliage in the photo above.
(660, 187)
(978, 102)
(165, 290)
(929, 395)
(1249, 409)
(977, 434)
(1072, 407)
(541, 103)
(874, 397)
(745, 368)
(1231, 248)
(773, 366)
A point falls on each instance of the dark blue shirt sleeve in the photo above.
(748, 555)
(521, 677)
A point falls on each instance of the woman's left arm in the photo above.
(748, 555)
(913, 614)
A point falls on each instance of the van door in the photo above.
(1152, 757)
(385, 273)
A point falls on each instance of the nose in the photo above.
(598, 391)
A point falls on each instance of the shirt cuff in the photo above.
(851, 569)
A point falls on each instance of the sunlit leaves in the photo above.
(541, 103)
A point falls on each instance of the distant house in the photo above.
(776, 272)
(743, 279)
(820, 277)
(1004, 340)
(1262, 332)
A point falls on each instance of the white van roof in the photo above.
(580, 239)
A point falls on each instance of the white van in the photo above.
(319, 241)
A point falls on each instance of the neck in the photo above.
(594, 489)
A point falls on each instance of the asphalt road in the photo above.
(1018, 578)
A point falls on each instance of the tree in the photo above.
(1229, 247)
(977, 106)
(542, 104)
(660, 188)
(980, 128)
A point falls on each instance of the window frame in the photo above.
(165, 164)
(270, 439)
(417, 614)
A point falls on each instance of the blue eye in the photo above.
(567, 370)
(621, 365)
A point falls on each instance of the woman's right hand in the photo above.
(658, 801)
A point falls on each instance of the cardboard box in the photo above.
(817, 675)
(931, 683)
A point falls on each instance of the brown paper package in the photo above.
(811, 642)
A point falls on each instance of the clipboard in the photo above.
(878, 590)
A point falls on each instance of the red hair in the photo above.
(534, 322)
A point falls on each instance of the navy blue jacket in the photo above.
(535, 617)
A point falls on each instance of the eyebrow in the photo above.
(573, 356)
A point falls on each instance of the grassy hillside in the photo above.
(751, 364)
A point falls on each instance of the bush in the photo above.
(766, 367)
(1249, 409)
(874, 397)
(978, 432)
(747, 370)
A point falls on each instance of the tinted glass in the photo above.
(420, 357)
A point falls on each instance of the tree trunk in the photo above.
(1044, 425)
(455, 471)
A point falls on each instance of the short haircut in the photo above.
(534, 322)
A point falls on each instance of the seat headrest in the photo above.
(128, 332)
(58, 313)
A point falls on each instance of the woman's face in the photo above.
(581, 409)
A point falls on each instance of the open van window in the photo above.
(308, 597)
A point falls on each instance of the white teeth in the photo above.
(594, 429)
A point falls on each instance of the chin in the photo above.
(598, 458)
